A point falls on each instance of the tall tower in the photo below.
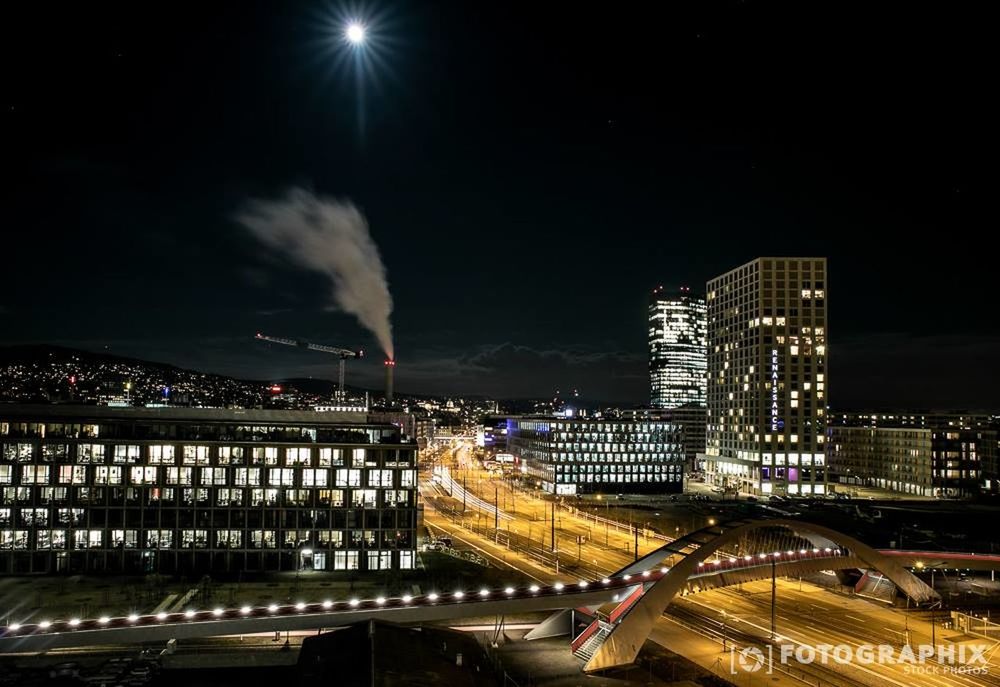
(677, 349)
(767, 377)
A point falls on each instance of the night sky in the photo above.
(529, 171)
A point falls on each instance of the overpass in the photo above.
(642, 590)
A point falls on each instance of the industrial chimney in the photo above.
(390, 367)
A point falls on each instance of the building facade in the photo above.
(491, 433)
(94, 489)
(767, 377)
(581, 455)
(941, 454)
(941, 462)
(690, 422)
(894, 459)
(677, 353)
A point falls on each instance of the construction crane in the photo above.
(343, 353)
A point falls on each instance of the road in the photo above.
(808, 617)
(582, 546)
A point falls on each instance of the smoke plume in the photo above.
(329, 237)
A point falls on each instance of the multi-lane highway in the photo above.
(461, 504)
(809, 618)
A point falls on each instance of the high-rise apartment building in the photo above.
(677, 354)
(767, 377)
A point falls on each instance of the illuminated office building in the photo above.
(677, 353)
(194, 491)
(566, 455)
(767, 377)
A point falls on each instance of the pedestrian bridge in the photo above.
(715, 556)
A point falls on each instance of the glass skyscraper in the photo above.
(678, 358)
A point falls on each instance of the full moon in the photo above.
(356, 33)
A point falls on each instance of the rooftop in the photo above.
(69, 412)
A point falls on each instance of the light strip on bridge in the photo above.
(16, 629)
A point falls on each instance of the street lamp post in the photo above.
(554, 531)
(774, 592)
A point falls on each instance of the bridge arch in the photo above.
(623, 644)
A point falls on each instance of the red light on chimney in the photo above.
(391, 363)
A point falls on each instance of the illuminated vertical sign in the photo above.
(774, 389)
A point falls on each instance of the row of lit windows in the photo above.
(199, 538)
(619, 478)
(641, 449)
(167, 454)
(215, 431)
(150, 475)
(609, 469)
(84, 540)
(614, 458)
(356, 498)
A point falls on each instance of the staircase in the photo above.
(592, 643)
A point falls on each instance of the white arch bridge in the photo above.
(720, 555)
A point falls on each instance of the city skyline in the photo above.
(497, 343)
(133, 160)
